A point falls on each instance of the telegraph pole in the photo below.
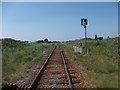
(84, 23)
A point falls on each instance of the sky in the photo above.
(60, 0)
(0, 19)
(58, 21)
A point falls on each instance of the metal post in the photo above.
(84, 23)
(85, 42)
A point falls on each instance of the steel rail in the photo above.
(67, 71)
(36, 79)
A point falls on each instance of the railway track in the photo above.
(56, 71)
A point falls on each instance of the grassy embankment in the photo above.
(0, 63)
(18, 55)
(101, 64)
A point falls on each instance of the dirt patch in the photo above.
(26, 77)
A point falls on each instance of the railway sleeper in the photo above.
(59, 77)
(59, 72)
(61, 82)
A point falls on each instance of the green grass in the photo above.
(0, 62)
(17, 56)
(101, 63)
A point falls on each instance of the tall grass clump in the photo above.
(17, 55)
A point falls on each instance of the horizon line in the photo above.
(53, 40)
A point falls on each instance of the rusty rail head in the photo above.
(67, 71)
(36, 79)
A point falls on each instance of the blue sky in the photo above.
(0, 19)
(58, 21)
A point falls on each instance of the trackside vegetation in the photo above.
(0, 62)
(101, 64)
(18, 55)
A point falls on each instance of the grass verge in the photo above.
(101, 63)
(18, 55)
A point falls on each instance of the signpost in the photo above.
(84, 23)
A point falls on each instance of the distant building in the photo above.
(95, 36)
(98, 38)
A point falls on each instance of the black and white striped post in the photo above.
(84, 23)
